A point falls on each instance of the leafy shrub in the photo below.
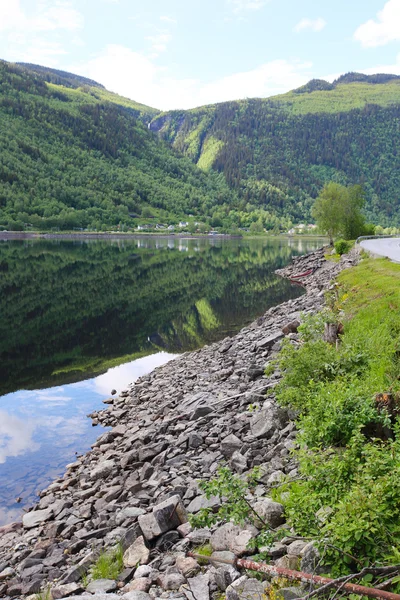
(349, 500)
(342, 246)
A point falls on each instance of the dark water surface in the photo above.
(72, 311)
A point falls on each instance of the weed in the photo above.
(109, 564)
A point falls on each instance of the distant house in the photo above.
(171, 228)
(160, 226)
(182, 224)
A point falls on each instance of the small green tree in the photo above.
(328, 209)
(338, 210)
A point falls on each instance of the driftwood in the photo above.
(341, 583)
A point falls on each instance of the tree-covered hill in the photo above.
(278, 152)
(73, 155)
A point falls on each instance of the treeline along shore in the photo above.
(137, 485)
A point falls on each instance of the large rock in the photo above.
(240, 544)
(269, 340)
(266, 421)
(202, 501)
(165, 516)
(101, 585)
(270, 512)
(34, 518)
(171, 581)
(224, 536)
(247, 589)
(137, 553)
(103, 470)
(198, 588)
(134, 595)
(310, 559)
(230, 444)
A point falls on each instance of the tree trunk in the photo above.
(330, 333)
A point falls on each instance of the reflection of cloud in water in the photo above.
(15, 436)
(120, 377)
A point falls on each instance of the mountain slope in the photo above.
(77, 156)
(277, 153)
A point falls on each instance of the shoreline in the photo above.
(170, 429)
(26, 235)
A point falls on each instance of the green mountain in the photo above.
(73, 155)
(277, 153)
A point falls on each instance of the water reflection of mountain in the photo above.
(70, 309)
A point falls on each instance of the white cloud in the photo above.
(313, 24)
(11, 15)
(40, 51)
(48, 16)
(152, 85)
(167, 19)
(15, 436)
(159, 41)
(242, 6)
(384, 29)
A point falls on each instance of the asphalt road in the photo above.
(389, 247)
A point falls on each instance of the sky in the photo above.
(173, 54)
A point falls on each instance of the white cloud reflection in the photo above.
(16, 436)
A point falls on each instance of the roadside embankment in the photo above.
(170, 430)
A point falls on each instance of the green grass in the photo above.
(350, 450)
(109, 564)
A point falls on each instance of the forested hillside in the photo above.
(277, 153)
(73, 155)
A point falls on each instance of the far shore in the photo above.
(30, 235)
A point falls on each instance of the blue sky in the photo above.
(184, 53)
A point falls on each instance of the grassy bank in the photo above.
(348, 405)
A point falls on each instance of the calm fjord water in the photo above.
(72, 311)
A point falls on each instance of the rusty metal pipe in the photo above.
(301, 576)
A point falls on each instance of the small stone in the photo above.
(141, 584)
(224, 536)
(137, 553)
(230, 444)
(310, 559)
(269, 511)
(184, 529)
(101, 585)
(7, 573)
(165, 516)
(238, 462)
(296, 547)
(203, 502)
(103, 470)
(240, 544)
(199, 587)
(195, 440)
(171, 581)
(134, 595)
(35, 517)
(288, 561)
(187, 566)
(61, 591)
(291, 593)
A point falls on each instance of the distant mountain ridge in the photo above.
(278, 152)
(60, 77)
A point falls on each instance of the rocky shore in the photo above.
(136, 486)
